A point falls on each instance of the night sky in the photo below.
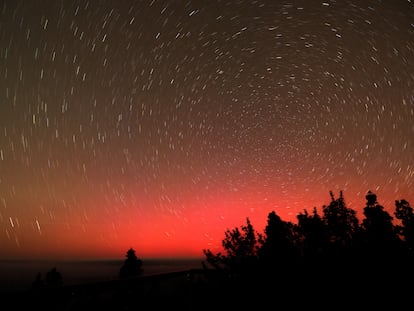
(158, 125)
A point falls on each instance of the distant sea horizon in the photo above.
(19, 274)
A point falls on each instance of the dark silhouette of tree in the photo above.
(132, 265)
(381, 248)
(341, 222)
(312, 236)
(404, 213)
(405, 230)
(379, 232)
(38, 283)
(330, 257)
(240, 246)
(342, 228)
(328, 242)
(278, 251)
(54, 278)
(236, 267)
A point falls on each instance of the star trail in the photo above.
(160, 124)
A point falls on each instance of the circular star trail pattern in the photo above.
(160, 124)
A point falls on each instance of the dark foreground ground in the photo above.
(183, 290)
(198, 289)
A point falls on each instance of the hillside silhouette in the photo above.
(328, 259)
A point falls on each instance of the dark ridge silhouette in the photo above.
(329, 260)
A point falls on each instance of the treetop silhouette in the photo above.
(132, 265)
(333, 243)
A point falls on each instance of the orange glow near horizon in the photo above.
(158, 125)
(184, 235)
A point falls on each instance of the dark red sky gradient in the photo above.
(158, 125)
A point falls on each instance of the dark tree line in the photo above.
(323, 253)
(53, 279)
(131, 267)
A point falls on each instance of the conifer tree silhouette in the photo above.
(132, 265)
(380, 234)
(278, 251)
(404, 212)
